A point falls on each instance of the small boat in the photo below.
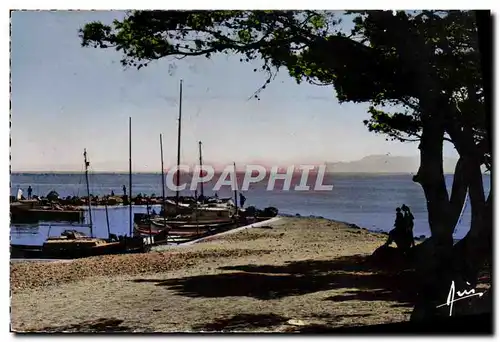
(213, 210)
(157, 225)
(180, 229)
(192, 222)
(142, 231)
(73, 244)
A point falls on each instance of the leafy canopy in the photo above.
(375, 62)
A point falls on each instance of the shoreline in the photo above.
(283, 215)
(307, 263)
(348, 224)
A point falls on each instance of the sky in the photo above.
(65, 98)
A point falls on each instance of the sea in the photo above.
(366, 200)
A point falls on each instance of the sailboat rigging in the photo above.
(130, 175)
(87, 164)
(163, 182)
(179, 146)
(201, 171)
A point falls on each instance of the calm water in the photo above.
(366, 200)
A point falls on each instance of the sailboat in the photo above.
(74, 244)
(192, 224)
(173, 208)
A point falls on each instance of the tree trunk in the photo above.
(470, 252)
(436, 255)
(475, 248)
(439, 263)
(437, 268)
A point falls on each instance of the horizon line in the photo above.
(266, 165)
(238, 171)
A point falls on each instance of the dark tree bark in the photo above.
(437, 253)
(439, 262)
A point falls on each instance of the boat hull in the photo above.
(182, 232)
(204, 211)
(76, 250)
(186, 226)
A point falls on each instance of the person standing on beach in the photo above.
(124, 190)
(408, 219)
(19, 194)
(242, 200)
(30, 190)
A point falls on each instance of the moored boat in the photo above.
(211, 210)
(73, 244)
(155, 226)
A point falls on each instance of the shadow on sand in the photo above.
(245, 322)
(266, 282)
(242, 322)
(371, 281)
(101, 325)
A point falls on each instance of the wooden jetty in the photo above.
(30, 211)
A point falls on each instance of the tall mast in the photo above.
(162, 180)
(130, 172)
(107, 216)
(196, 213)
(235, 188)
(88, 189)
(201, 174)
(179, 145)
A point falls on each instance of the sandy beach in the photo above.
(294, 273)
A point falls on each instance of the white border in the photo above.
(255, 4)
(186, 4)
(4, 171)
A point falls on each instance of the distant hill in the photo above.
(385, 164)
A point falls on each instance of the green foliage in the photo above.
(144, 36)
